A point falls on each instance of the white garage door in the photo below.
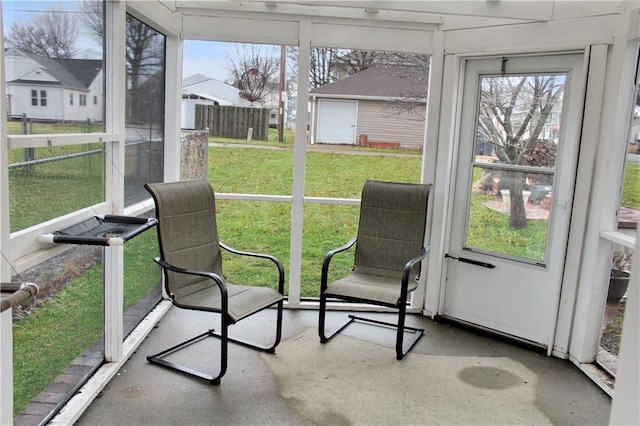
(337, 121)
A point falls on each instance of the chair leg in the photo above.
(268, 349)
(321, 319)
(402, 329)
(158, 358)
(224, 340)
(417, 334)
(324, 338)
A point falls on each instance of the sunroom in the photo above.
(528, 275)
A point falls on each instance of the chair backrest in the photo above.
(187, 232)
(392, 227)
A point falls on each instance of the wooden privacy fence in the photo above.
(233, 122)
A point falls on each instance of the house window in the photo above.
(95, 100)
(42, 99)
(70, 98)
(83, 100)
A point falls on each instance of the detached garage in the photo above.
(380, 106)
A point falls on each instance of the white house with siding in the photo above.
(54, 89)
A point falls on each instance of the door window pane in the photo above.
(516, 144)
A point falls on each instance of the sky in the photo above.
(25, 11)
(204, 57)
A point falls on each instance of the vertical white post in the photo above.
(430, 291)
(113, 265)
(173, 78)
(6, 326)
(6, 368)
(299, 157)
(624, 408)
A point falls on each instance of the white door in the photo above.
(519, 131)
(337, 121)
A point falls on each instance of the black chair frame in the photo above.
(401, 348)
(223, 300)
(223, 335)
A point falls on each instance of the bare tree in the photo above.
(321, 67)
(512, 115)
(413, 68)
(93, 18)
(144, 57)
(354, 61)
(51, 34)
(254, 71)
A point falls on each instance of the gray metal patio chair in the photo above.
(389, 249)
(191, 259)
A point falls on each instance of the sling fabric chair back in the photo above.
(391, 228)
(191, 259)
(390, 245)
(188, 234)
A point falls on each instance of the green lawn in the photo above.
(69, 323)
(62, 186)
(45, 342)
(631, 190)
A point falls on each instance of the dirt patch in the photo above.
(612, 327)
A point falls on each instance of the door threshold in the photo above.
(494, 334)
(599, 376)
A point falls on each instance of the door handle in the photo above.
(471, 261)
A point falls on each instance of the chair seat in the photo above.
(243, 300)
(368, 287)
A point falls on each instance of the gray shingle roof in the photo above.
(380, 81)
(71, 73)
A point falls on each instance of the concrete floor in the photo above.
(145, 394)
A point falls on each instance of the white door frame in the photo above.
(453, 70)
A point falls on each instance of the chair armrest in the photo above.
(274, 259)
(215, 277)
(407, 269)
(327, 260)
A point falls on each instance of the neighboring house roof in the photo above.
(212, 89)
(380, 81)
(70, 73)
(195, 79)
(203, 81)
(85, 70)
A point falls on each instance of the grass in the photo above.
(15, 127)
(62, 186)
(51, 337)
(489, 230)
(262, 171)
(631, 190)
(289, 137)
(69, 323)
(263, 226)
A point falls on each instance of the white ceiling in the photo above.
(438, 15)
